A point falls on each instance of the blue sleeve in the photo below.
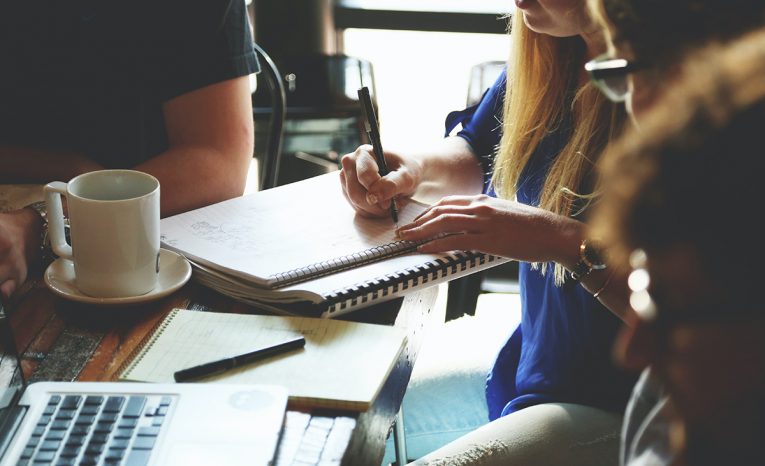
(482, 124)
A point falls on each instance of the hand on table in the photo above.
(19, 247)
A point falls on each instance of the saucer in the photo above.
(174, 272)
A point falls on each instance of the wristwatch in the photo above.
(590, 259)
(46, 254)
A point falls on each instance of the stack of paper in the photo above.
(301, 247)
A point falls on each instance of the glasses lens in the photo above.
(610, 76)
(615, 88)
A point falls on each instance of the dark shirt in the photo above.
(561, 351)
(90, 76)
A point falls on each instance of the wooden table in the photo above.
(61, 340)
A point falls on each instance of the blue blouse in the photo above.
(561, 351)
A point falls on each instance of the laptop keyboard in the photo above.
(313, 440)
(92, 430)
(113, 430)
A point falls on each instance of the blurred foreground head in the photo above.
(681, 205)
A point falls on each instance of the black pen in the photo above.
(222, 365)
(373, 131)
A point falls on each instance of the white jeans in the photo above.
(446, 397)
(544, 435)
(445, 404)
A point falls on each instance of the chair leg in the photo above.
(463, 295)
(399, 438)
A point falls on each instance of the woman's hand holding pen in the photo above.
(495, 226)
(368, 192)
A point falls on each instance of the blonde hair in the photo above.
(543, 93)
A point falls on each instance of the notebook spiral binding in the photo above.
(137, 353)
(408, 278)
(338, 264)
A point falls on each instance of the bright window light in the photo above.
(420, 77)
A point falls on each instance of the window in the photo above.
(420, 77)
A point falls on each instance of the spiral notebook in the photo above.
(301, 249)
(343, 365)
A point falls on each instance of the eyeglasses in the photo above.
(638, 281)
(610, 76)
(711, 310)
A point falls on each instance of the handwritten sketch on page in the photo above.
(301, 249)
(244, 235)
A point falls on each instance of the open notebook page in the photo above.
(343, 364)
(281, 229)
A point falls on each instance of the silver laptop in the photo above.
(131, 424)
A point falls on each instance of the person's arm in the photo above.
(21, 230)
(452, 169)
(210, 136)
(612, 291)
(516, 231)
(20, 233)
(455, 165)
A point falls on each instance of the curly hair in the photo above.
(658, 32)
(693, 174)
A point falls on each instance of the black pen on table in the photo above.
(222, 365)
(373, 131)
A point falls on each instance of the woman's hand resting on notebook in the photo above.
(496, 226)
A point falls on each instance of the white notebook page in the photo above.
(281, 229)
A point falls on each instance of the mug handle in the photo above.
(53, 193)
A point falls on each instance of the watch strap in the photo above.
(42, 210)
(46, 253)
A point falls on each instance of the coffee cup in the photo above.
(114, 231)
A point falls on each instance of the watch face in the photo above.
(591, 255)
(589, 259)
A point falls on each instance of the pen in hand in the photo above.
(222, 365)
(373, 132)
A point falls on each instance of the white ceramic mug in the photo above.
(114, 230)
